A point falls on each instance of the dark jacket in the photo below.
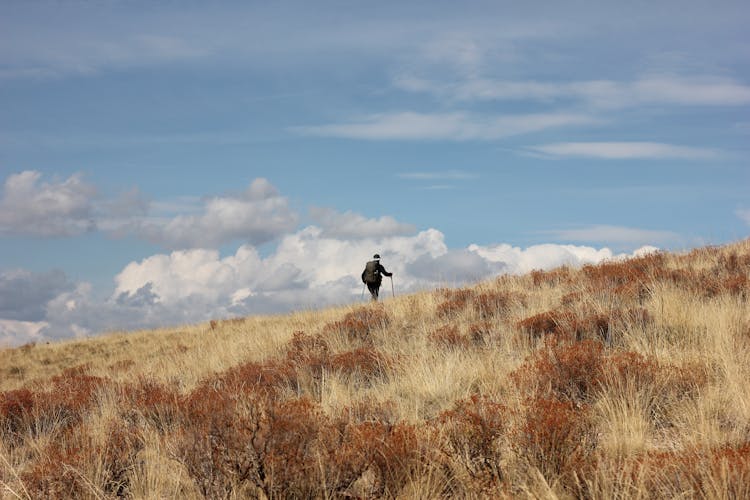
(373, 271)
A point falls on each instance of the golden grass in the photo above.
(662, 408)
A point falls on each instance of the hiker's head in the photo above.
(376, 256)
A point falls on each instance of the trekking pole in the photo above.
(393, 294)
(363, 292)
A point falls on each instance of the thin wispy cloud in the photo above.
(626, 151)
(700, 90)
(457, 126)
(438, 175)
(609, 234)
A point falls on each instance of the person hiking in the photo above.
(372, 275)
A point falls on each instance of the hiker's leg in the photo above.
(373, 288)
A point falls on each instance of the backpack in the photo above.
(371, 273)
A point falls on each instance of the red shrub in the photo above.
(455, 301)
(449, 337)
(564, 370)
(360, 323)
(390, 453)
(737, 285)
(576, 326)
(16, 409)
(74, 466)
(307, 352)
(723, 471)
(492, 304)
(555, 437)
(365, 362)
(577, 371)
(215, 442)
(472, 430)
(629, 279)
(156, 403)
(269, 377)
(540, 324)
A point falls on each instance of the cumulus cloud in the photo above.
(547, 256)
(308, 269)
(34, 208)
(352, 225)
(15, 333)
(258, 215)
(744, 214)
(626, 150)
(456, 126)
(455, 266)
(24, 294)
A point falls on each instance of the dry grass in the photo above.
(624, 380)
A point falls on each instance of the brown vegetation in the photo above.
(626, 379)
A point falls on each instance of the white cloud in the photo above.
(615, 235)
(257, 216)
(28, 207)
(438, 175)
(15, 333)
(89, 53)
(626, 150)
(351, 225)
(652, 89)
(744, 214)
(457, 126)
(308, 269)
(546, 256)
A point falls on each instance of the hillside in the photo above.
(622, 380)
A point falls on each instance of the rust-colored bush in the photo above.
(578, 326)
(155, 402)
(388, 454)
(360, 323)
(494, 304)
(16, 409)
(473, 430)
(365, 362)
(454, 301)
(269, 377)
(218, 444)
(629, 279)
(298, 434)
(248, 440)
(555, 437)
(568, 371)
(540, 324)
(449, 337)
(75, 466)
(737, 285)
(578, 371)
(308, 352)
(697, 472)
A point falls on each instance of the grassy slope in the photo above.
(626, 379)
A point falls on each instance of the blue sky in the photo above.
(166, 162)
